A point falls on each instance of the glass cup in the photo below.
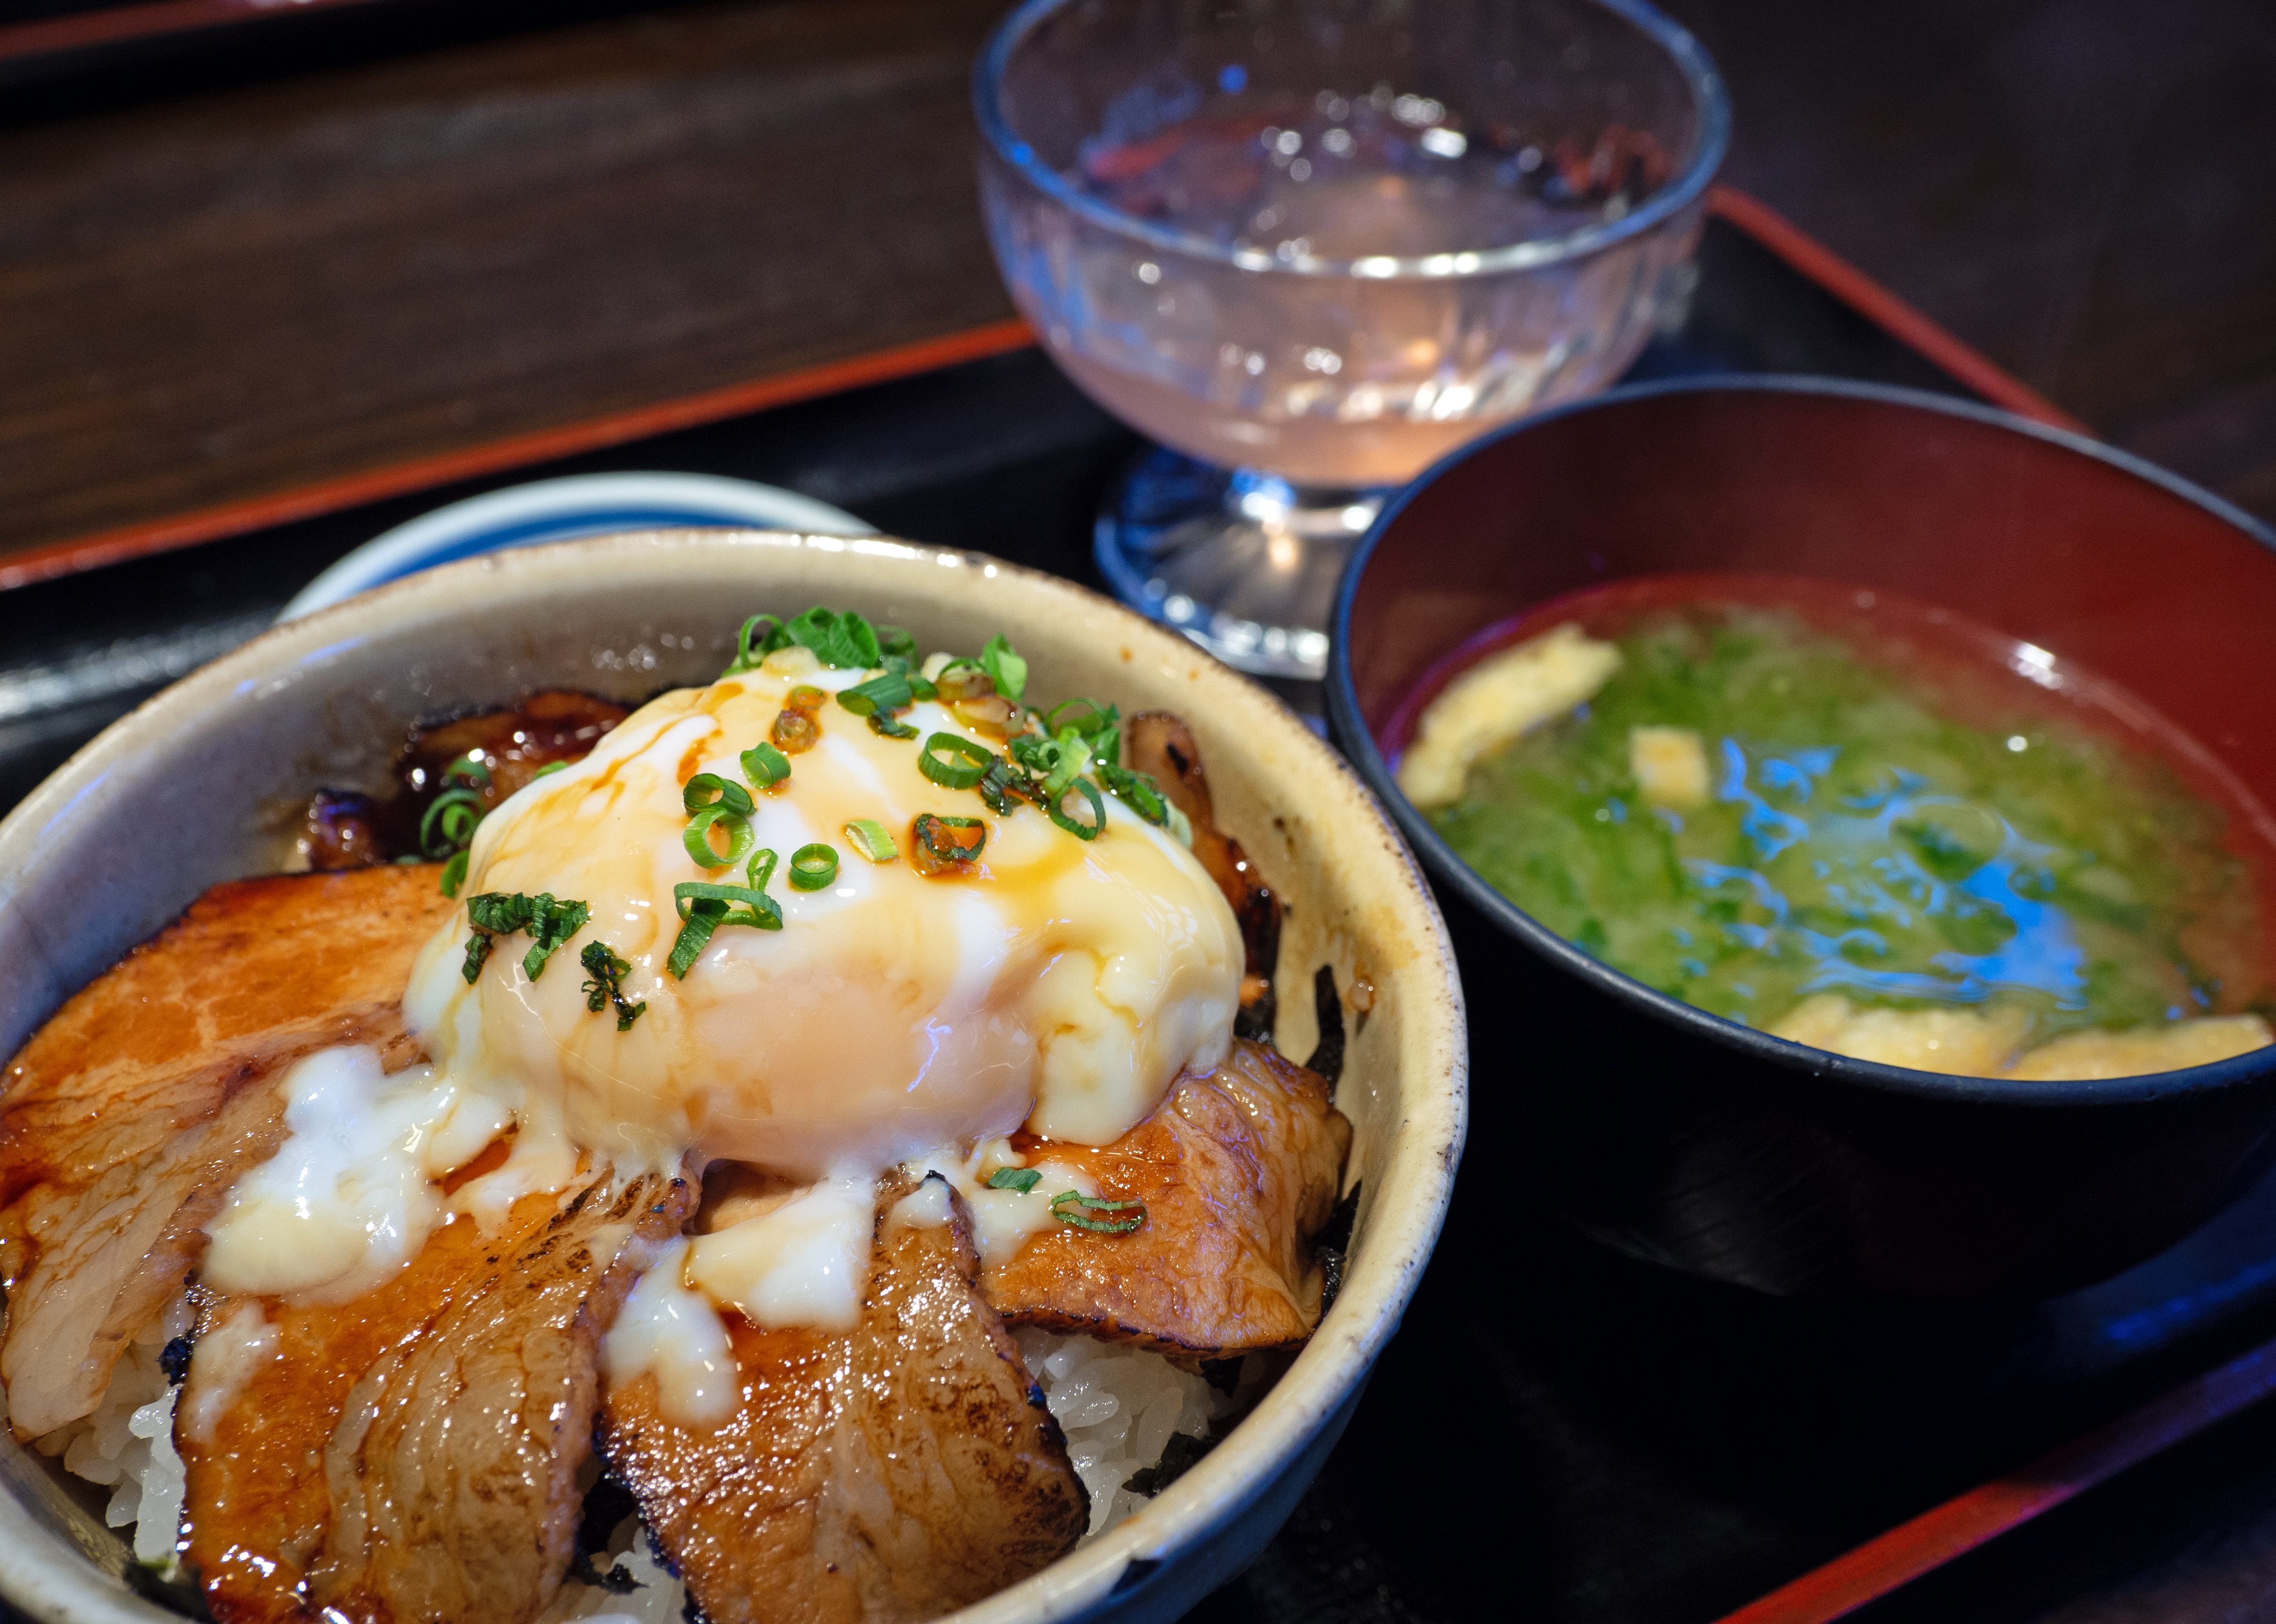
(1312, 246)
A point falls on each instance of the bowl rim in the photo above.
(1778, 1054)
(51, 1578)
(1710, 97)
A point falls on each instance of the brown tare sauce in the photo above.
(351, 830)
(1159, 743)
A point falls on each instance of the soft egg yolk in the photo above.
(1056, 983)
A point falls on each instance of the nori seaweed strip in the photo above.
(1328, 1057)
(1333, 1244)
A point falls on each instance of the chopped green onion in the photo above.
(948, 840)
(846, 642)
(765, 766)
(1091, 721)
(552, 924)
(1071, 1208)
(762, 868)
(606, 986)
(961, 774)
(896, 641)
(919, 688)
(813, 866)
(1002, 787)
(882, 723)
(796, 731)
(1004, 667)
(1019, 1178)
(548, 922)
(448, 824)
(889, 692)
(870, 840)
(469, 770)
(478, 952)
(697, 837)
(752, 645)
(760, 912)
(1074, 753)
(1057, 807)
(548, 770)
(454, 873)
(1136, 790)
(704, 908)
(709, 789)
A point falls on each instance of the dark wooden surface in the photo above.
(241, 268)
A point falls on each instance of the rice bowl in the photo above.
(610, 615)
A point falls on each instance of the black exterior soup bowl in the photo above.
(1696, 1143)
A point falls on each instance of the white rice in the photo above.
(1119, 1407)
(127, 1444)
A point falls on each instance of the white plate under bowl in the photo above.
(562, 510)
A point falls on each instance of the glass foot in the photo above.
(1239, 560)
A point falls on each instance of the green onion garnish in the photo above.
(795, 730)
(973, 764)
(813, 866)
(896, 642)
(549, 923)
(1019, 1178)
(606, 986)
(762, 868)
(704, 908)
(880, 723)
(709, 789)
(844, 641)
(450, 822)
(753, 645)
(1072, 1207)
(1002, 785)
(942, 842)
(1057, 807)
(547, 771)
(697, 837)
(889, 692)
(468, 769)
(454, 873)
(1136, 790)
(478, 953)
(1004, 667)
(870, 840)
(765, 766)
(759, 912)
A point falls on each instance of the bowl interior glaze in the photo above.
(230, 754)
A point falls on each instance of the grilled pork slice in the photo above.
(1238, 1171)
(413, 1456)
(894, 1472)
(1160, 744)
(126, 1120)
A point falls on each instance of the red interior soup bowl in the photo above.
(1704, 1142)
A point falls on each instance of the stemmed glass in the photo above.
(1311, 245)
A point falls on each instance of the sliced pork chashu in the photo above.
(1238, 1171)
(124, 1120)
(892, 1473)
(413, 1455)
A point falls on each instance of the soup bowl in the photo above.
(1699, 1142)
(231, 754)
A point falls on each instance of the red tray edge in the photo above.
(1943, 1533)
